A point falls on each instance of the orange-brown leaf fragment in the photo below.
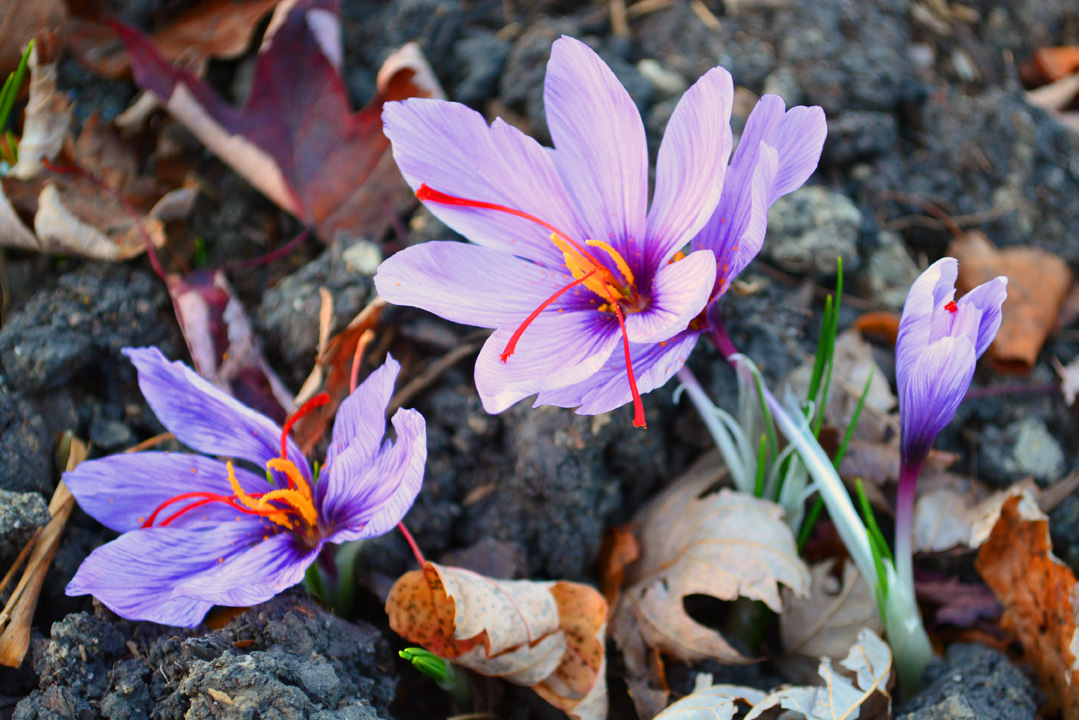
(544, 635)
(1039, 596)
(1038, 283)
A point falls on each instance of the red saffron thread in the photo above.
(511, 346)
(951, 307)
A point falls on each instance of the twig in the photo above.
(151, 442)
(647, 7)
(619, 23)
(707, 16)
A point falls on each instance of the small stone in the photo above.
(972, 682)
(20, 515)
(810, 228)
(110, 434)
(1023, 448)
(667, 83)
(782, 82)
(364, 257)
(479, 65)
(25, 448)
(891, 271)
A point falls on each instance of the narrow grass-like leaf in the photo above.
(11, 87)
(833, 329)
(842, 451)
(762, 456)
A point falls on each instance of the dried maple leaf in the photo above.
(219, 29)
(544, 635)
(1039, 595)
(222, 344)
(296, 138)
(695, 540)
(1038, 283)
(859, 692)
(830, 619)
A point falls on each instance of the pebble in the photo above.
(812, 226)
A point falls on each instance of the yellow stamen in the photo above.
(294, 498)
(281, 518)
(619, 261)
(293, 473)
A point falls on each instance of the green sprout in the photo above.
(8, 94)
(445, 674)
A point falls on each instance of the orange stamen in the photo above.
(511, 346)
(952, 307)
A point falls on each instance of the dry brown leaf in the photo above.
(1057, 95)
(219, 29)
(620, 549)
(882, 324)
(1038, 283)
(48, 114)
(859, 691)
(23, 20)
(544, 635)
(1039, 596)
(828, 622)
(699, 539)
(1053, 63)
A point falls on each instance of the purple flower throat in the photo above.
(291, 508)
(617, 293)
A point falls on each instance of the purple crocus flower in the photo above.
(940, 339)
(568, 260)
(199, 532)
(779, 149)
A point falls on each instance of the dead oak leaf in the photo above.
(548, 636)
(296, 138)
(1039, 595)
(830, 619)
(695, 540)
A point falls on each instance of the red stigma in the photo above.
(951, 307)
(511, 346)
(203, 498)
(315, 402)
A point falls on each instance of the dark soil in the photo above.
(529, 493)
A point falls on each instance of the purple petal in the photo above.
(374, 494)
(755, 225)
(692, 161)
(361, 420)
(265, 565)
(204, 418)
(136, 575)
(797, 136)
(600, 147)
(679, 292)
(653, 366)
(930, 390)
(556, 350)
(985, 302)
(451, 148)
(121, 491)
(466, 283)
(932, 289)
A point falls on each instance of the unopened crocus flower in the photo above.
(940, 339)
(198, 531)
(569, 265)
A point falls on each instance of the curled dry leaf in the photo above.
(861, 692)
(544, 635)
(296, 138)
(1039, 595)
(48, 114)
(223, 346)
(697, 540)
(830, 620)
(1038, 283)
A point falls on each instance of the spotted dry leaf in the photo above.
(829, 621)
(544, 635)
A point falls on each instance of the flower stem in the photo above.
(904, 522)
(412, 544)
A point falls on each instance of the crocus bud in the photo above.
(939, 341)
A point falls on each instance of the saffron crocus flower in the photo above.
(569, 262)
(779, 149)
(199, 532)
(939, 341)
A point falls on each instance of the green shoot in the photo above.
(8, 94)
(762, 456)
(445, 674)
(842, 451)
(201, 259)
(810, 521)
(878, 546)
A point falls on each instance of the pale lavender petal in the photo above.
(930, 390)
(376, 494)
(137, 574)
(465, 283)
(608, 389)
(556, 350)
(679, 291)
(203, 417)
(121, 491)
(361, 420)
(756, 224)
(450, 147)
(797, 136)
(692, 161)
(600, 147)
(265, 565)
(985, 300)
